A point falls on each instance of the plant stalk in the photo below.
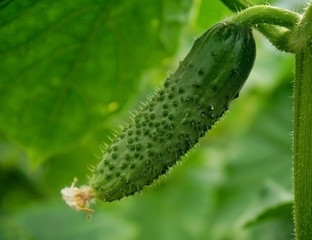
(303, 128)
(267, 14)
(278, 36)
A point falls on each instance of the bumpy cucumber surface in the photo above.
(173, 121)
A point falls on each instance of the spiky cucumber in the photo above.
(173, 121)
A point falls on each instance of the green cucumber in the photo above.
(177, 116)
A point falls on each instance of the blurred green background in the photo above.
(70, 73)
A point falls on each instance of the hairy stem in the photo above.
(266, 14)
(278, 36)
(303, 128)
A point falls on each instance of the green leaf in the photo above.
(51, 221)
(66, 67)
(273, 203)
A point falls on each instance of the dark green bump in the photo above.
(138, 147)
(149, 145)
(160, 98)
(132, 165)
(130, 132)
(150, 153)
(138, 132)
(170, 116)
(166, 84)
(214, 87)
(150, 124)
(201, 72)
(101, 170)
(108, 176)
(170, 95)
(190, 98)
(117, 174)
(122, 178)
(123, 166)
(157, 124)
(172, 88)
(146, 116)
(127, 157)
(175, 103)
(136, 155)
(165, 113)
(130, 140)
(181, 90)
(106, 162)
(111, 167)
(161, 92)
(160, 140)
(163, 171)
(114, 155)
(131, 147)
(165, 106)
(152, 116)
(169, 135)
(136, 138)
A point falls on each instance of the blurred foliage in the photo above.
(70, 72)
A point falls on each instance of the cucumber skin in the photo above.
(174, 120)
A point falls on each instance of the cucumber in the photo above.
(175, 118)
(178, 115)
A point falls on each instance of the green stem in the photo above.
(267, 14)
(278, 36)
(303, 128)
